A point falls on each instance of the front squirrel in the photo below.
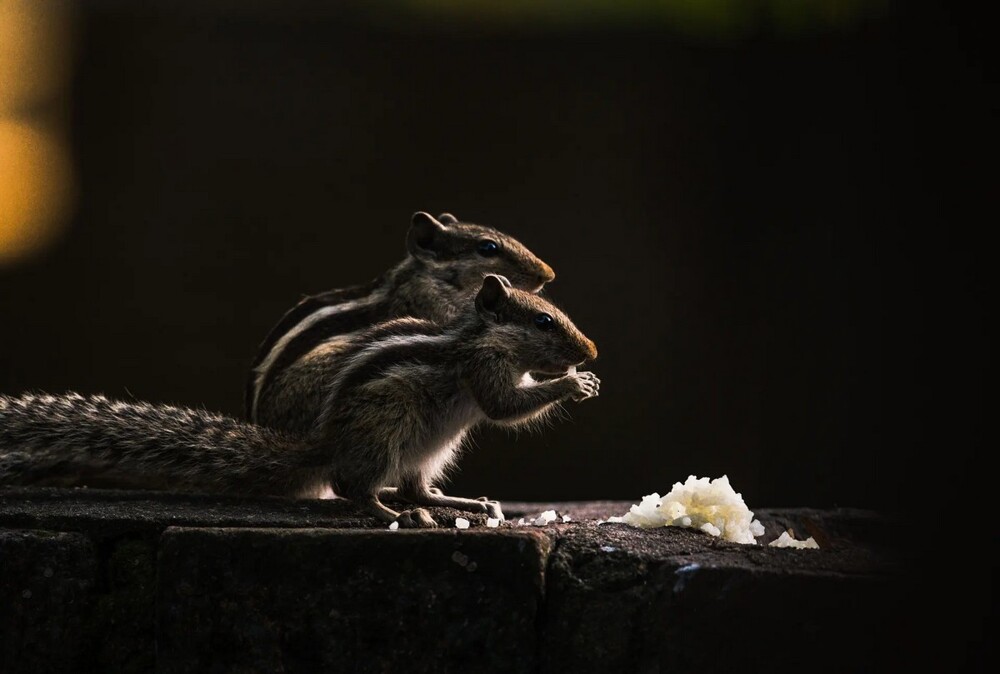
(444, 267)
(395, 414)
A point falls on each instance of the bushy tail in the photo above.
(75, 440)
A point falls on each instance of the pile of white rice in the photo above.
(700, 503)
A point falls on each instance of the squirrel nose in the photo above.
(590, 349)
(546, 274)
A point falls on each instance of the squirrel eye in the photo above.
(544, 322)
(488, 248)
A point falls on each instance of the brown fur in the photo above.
(441, 273)
(394, 415)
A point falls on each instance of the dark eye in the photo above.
(544, 322)
(488, 248)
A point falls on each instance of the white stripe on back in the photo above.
(262, 370)
(372, 350)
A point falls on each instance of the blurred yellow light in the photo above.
(35, 189)
(36, 181)
(35, 43)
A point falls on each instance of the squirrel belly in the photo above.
(395, 414)
(441, 273)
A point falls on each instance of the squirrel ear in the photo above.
(493, 294)
(424, 235)
(447, 219)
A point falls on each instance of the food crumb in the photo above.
(787, 540)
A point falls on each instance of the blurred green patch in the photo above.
(702, 18)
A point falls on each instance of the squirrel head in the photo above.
(542, 338)
(463, 252)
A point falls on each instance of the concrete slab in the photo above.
(47, 585)
(270, 600)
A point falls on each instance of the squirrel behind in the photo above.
(444, 267)
(395, 414)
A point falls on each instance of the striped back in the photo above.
(309, 323)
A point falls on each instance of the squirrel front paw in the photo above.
(418, 518)
(586, 385)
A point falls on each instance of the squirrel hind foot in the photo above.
(417, 518)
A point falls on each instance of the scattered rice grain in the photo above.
(786, 540)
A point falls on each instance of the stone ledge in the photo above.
(47, 585)
(203, 584)
(311, 600)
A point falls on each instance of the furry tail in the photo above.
(75, 440)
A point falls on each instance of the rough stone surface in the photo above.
(122, 625)
(628, 600)
(47, 581)
(316, 600)
(180, 583)
(113, 512)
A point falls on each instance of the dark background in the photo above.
(769, 216)
(768, 228)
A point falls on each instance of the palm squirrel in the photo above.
(444, 267)
(394, 414)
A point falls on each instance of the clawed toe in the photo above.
(494, 510)
(491, 507)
